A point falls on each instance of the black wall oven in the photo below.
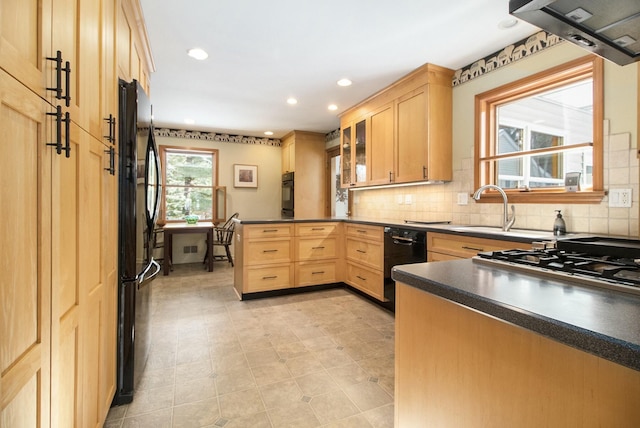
(287, 195)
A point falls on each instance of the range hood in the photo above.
(610, 29)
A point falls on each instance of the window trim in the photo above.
(163, 160)
(485, 115)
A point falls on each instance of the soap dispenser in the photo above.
(559, 226)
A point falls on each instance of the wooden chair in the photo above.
(222, 237)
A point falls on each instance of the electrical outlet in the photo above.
(399, 199)
(408, 199)
(620, 198)
(463, 199)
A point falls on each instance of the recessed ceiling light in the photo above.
(507, 23)
(344, 82)
(268, 133)
(197, 53)
(292, 101)
(332, 107)
(189, 121)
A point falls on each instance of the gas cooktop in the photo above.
(602, 262)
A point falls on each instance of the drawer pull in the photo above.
(269, 230)
(472, 248)
(362, 251)
(320, 272)
(317, 248)
(361, 278)
(317, 228)
(361, 231)
(270, 277)
(269, 251)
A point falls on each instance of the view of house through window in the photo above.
(190, 177)
(533, 134)
(542, 137)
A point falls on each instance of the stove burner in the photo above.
(577, 264)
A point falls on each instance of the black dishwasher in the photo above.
(401, 246)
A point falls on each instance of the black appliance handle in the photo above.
(144, 277)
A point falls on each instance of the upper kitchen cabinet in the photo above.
(353, 152)
(133, 50)
(408, 127)
(288, 155)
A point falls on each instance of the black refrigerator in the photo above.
(138, 201)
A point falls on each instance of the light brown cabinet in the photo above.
(264, 257)
(445, 246)
(59, 244)
(318, 253)
(365, 259)
(408, 128)
(304, 153)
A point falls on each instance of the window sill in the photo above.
(533, 197)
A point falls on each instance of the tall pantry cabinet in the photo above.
(58, 211)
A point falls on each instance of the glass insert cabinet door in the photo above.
(354, 154)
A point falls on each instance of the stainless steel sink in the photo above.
(525, 233)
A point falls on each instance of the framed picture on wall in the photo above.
(245, 175)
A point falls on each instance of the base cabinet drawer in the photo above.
(317, 248)
(463, 247)
(315, 273)
(317, 229)
(267, 278)
(270, 251)
(269, 231)
(366, 280)
(365, 252)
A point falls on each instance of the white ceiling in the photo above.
(262, 52)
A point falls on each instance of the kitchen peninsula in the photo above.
(483, 346)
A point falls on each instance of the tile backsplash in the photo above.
(440, 201)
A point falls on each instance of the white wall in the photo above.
(263, 202)
(439, 202)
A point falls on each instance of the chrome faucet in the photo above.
(506, 221)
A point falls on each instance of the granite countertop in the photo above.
(598, 321)
(443, 226)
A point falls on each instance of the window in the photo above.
(190, 182)
(532, 132)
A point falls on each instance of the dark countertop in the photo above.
(443, 226)
(601, 322)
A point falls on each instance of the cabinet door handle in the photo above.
(472, 248)
(425, 172)
(269, 251)
(58, 87)
(317, 248)
(58, 142)
(390, 177)
(111, 121)
(112, 168)
(67, 80)
(270, 277)
(67, 124)
(361, 278)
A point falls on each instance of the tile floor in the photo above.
(318, 359)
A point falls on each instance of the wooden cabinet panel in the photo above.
(278, 230)
(269, 277)
(314, 273)
(369, 281)
(317, 248)
(365, 231)
(381, 143)
(365, 252)
(460, 246)
(455, 367)
(412, 149)
(25, 257)
(272, 251)
(316, 229)
(25, 40)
